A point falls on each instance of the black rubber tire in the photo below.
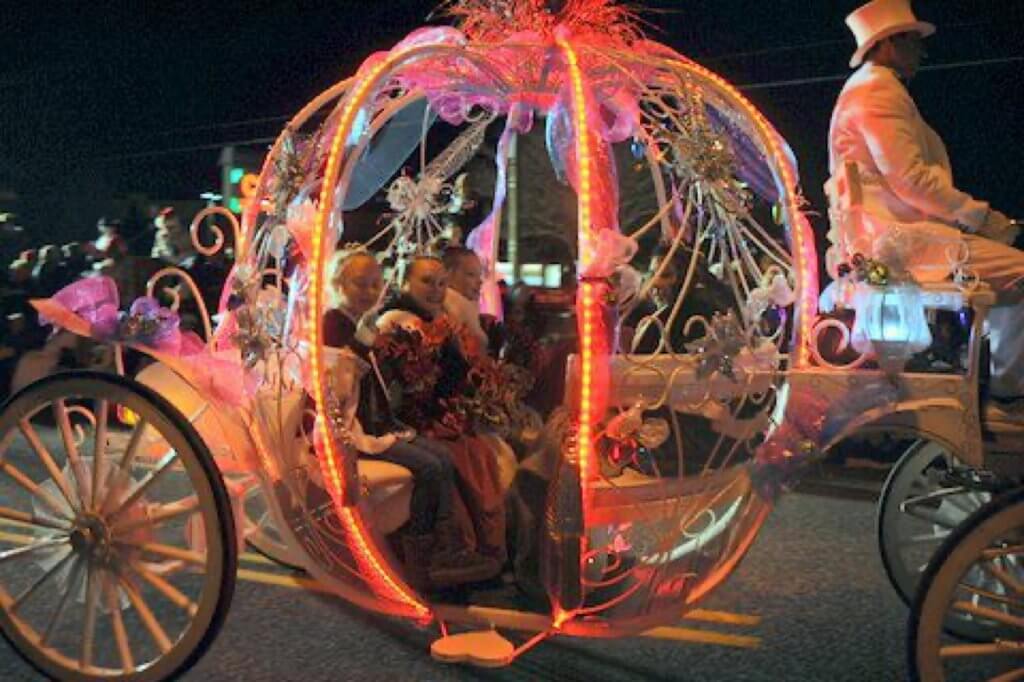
(887, 504)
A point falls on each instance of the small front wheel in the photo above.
(917, 510)
(117, 542)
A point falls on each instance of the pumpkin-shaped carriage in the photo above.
(684, 409)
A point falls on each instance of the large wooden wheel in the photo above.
(117, 547)
(990, 543)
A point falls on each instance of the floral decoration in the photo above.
(874, 272)
(259, 314)
(718, 348)
(628, 440)
(289, 175)
(147, 323)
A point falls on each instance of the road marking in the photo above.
(724, 617)
(678, 634)
(704, 637)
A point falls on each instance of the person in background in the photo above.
(72, 264)
(434, 551)
(46, 275)
(172, 242)
(109, 243)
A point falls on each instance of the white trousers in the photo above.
(1002, 268)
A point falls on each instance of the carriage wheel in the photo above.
(117, 552)
(990, 542)
(918, 509)
(262, 535)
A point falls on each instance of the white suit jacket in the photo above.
(904, 165)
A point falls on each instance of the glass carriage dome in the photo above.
(686, 284)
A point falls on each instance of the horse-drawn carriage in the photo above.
(130, 495)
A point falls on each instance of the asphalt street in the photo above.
(810, 602)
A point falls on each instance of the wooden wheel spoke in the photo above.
(35, 490)
(168, 552)
(123, 472)
(29, 432)
(142, 486)
(989, 614)
(92, 597)
(99, 452)
(1004, 576)
(978, 593)
(149, 620)
(1009, 676)
(32, 589)
(31, 519)
(29, 549)
(164, 587)
(161, 515)
(969, 650)
(60, 411)
(62, 607)
(1004, 552)
(6, 441)
(124, 648)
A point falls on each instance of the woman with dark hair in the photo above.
(419, 348)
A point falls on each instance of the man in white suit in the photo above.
(911, 206)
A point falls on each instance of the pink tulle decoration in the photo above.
(89, 308)
(94, 299)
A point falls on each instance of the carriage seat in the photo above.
(386, 487)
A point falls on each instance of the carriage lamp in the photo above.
(891, 324)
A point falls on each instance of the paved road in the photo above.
(810, 602)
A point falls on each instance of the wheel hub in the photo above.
(91, 537)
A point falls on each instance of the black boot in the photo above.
(453, 563)
(416, 558)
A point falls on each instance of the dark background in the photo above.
(102, 100)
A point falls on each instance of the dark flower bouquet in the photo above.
(490, 397)
(440, 388)
(411, 359)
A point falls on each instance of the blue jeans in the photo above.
(433, 478)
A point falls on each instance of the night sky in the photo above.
(114, 98)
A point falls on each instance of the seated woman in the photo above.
(435, 553)
(419, 347)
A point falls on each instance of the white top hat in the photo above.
(880, 19)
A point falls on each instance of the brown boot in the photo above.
(453, 563)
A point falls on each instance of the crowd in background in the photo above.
(29, 350)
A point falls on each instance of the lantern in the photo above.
(890, 324)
